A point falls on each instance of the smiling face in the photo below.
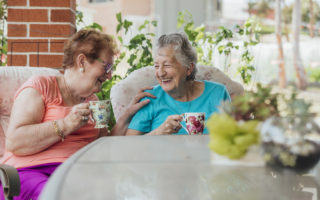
(170, 74)
(95, 74)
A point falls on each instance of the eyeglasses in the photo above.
(107, 66)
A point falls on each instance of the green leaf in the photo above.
(94, 26)
(119, 27)
(227, 51)
(230, 44)
(120, 39)
(154, 23)
(143, 26)
(181, 19)
(199, 37)
(221, 48)
(126, 25)
(97, 26)
(252, 43)
(151, 34)
(132, 59)
(122, 55)
(200, 28)
(119, 17)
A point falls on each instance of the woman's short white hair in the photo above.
(184, 52)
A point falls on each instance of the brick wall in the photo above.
(37, 30)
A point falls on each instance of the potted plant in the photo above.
(264, 127)
(234, 134)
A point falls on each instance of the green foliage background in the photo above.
(3, 39)
(137, 52)
(224, 41)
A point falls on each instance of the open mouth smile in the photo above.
(166, 80)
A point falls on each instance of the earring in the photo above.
(81, 69)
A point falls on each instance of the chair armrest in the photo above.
(10, 181)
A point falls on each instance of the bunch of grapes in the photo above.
(230, 138)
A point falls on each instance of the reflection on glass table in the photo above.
(169, 167)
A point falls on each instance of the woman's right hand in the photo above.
(171, 125)
(77, 118)
(121, 127)
(136, 104)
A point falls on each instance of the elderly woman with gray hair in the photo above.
(178, 92)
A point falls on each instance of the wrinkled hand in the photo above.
(77, 117)
(171, 125)
(135, 105)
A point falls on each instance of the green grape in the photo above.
(228, 138)
(221, 124)
(249, 127)
(244, 141)
(220, 145)
(235, 153)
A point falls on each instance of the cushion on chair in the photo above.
(126, 89)
(11, 78)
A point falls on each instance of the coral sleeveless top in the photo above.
(47, 86)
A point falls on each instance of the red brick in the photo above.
(17, 60)
(28, 45)
(57, 45)
(17, 30)
(27, 15)
(62, 16)
(53, 61)
(17, 2)
(51, 30)
(51, 3)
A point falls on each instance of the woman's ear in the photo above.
(80, 60)
(190, 69)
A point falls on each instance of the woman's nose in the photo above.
(161, 71)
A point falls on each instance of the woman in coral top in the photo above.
(49, 119)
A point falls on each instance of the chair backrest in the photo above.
(126, 89)
(11, 78)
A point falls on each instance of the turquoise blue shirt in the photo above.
(156, 112)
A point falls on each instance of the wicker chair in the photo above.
(126, 89)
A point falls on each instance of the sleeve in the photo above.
(226, 95)
(142, 120)
(218, 94)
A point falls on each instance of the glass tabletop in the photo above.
(169, 167)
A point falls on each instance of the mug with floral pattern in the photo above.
(100, 112)
(194, 122)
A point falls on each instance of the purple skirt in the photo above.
(33, 180)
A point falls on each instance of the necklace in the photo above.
(68, 91)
